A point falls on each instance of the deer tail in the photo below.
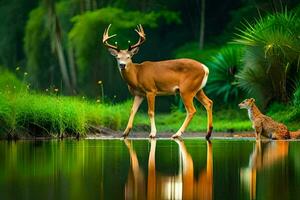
(295, 134)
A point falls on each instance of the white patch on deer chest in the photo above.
(250, 114)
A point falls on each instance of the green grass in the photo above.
(50, 115)
(24, 112)
(224, 120)
(44, 115)
(287, 114)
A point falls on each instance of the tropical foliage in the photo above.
(222, 80)
(272, 57)
(54, 48)
(297, 97)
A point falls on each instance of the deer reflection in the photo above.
(263, 156)
(135, 186)
(199, 187)
(182, 186)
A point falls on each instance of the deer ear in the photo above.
(113, 51)
(134, 50)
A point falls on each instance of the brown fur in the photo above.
(265, 125)
(152, 186)
(185, 76)
(150, 79)
(295, 134)
(147, 77)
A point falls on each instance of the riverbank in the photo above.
(107, 133)
(104, 133)
(35, 115)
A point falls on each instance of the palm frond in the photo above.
(271, 59)
(223, 68)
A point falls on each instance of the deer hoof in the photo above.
(126, 132)
(125, 135)
(207, 137)
(174, 136)
(178, 139)
(152, 135)
(177, 135)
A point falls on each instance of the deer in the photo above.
(185, 184)
(168, 77)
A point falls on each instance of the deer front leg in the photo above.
(190, 112)
(258, 130)
(151, 105)
(135, 106)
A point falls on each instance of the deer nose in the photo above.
(122, 66)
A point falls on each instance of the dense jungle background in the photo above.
(54, 48)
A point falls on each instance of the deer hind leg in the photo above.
(208, 104)
(151, 105)
(187, 99)
(135, 106)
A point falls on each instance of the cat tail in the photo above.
(295, 134)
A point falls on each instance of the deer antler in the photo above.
(106, 37)
(141, 33)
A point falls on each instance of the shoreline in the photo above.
(106, 133)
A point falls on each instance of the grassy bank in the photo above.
(25, 112)
(50, 115)
(44, 115)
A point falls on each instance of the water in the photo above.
(139, 169)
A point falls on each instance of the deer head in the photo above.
(247, 103)
(124, 56)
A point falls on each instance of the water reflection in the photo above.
(159, 169)
(263, 157)
(135, 185)
(184, 185)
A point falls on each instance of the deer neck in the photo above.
(253, 112)
(129, 74)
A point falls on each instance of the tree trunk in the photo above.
(72, 67)
(88, 5)
(94, 4)
(202, 25)
(62, 63)
(81, 6)
(55, 35)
